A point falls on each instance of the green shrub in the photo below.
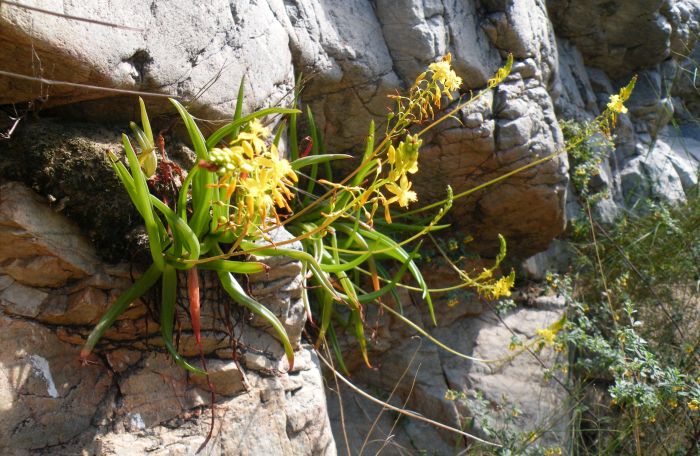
(634, 329)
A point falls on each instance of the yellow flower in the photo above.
(257, 197)
(694, 405)
(445, 75)
(616, 104)
(403, 193)
(255, 137)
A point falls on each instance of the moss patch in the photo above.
(67, 163)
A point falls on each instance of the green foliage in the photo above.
(586, 158)
(634, 326)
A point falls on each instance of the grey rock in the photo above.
(22, 300)
(515, 382)
(556, 259)
(651, 175)
(173, 52)
(621, 37)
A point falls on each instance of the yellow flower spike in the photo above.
(445, 75)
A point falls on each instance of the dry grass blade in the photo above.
(10, 74)
(408, 413)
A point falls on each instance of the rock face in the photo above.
(131, 398)
(653, 159)
(570, 56)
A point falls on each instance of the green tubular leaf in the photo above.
(278, 134)
(359, 328)
(182, 196)
(228, 129)
(167, 316)
(326, 303)
(293, 141)
(335, 346)
(341, 275)
(135, 291)
(146, 124)
(234, 289)
(202, 192)
(141, 138)
(367, 169)
(125, 179)
(300, 163)
(304, 257)
(128, 184)
(369, 148)
(344, 266)
(236, 267)
(200, 147)
(201, 188)
(404, 228)
(218, 209)
(181, 231)
(399, 254)
(305, 297)
(143, 205)
(238, 113)
(314, 151)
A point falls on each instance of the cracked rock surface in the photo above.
(130, 398)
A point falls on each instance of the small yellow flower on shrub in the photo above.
(547, 335)
(502, 287)
(694, 405)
